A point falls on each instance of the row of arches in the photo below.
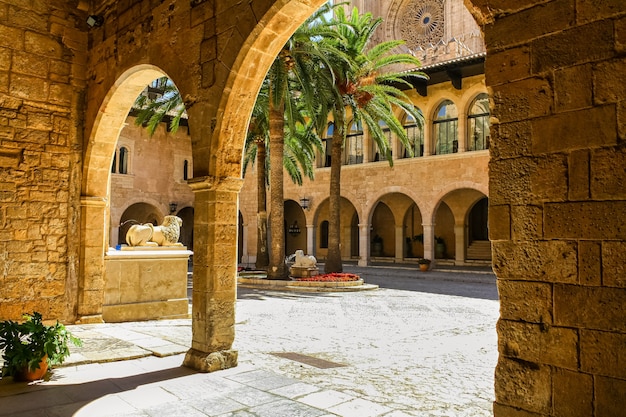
(394, 228)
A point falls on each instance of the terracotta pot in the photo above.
(26, 375)
(424, 267)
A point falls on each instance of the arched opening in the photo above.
(186, 230)
(383, 232)
(478, 132)
(445, 128)
(295, 228)
(348, 212)
(413, 233)
(95, 187)
(444, 232)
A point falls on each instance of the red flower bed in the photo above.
(332, 277)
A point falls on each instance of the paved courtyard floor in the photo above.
(421, 345)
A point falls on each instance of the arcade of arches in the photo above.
(557, 200)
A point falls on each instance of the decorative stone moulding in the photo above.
(420, 23)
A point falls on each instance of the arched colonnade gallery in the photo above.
(394, 229)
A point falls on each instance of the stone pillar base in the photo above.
(210, 362)
(92, 319)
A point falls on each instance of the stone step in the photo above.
(479, 249)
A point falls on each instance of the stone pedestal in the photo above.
(146, 283)
(303, 271)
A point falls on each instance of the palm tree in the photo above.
(298, 156)
(291, 79)
(369, 91)
(256, 149)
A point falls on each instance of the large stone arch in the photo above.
(95, 186)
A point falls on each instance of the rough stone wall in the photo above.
(558, 204)
(42, 80)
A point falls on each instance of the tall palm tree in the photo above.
(298, 156)
(367, 88)
(291, 79)
(256, 149)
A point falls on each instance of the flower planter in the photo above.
(34, 375)
(424, 267)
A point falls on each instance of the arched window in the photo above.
(324, 235)
(327, 144)
(114, 163)
(354, 145)
(186, 170)
(445, 126)
(415, 133)
(123, 160)
(478, 124)
(376, 153)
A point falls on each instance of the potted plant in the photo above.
(30, 347)
(424, 264)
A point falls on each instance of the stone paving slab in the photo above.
(407, 353)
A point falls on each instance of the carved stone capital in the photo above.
(210, 183)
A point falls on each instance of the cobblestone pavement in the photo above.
(421, 345)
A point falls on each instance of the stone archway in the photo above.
(95, 187)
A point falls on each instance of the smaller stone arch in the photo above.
(450, 222)
(347, 236)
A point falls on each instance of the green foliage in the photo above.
(26, 344)
(167, 104)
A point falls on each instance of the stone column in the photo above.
(399, 243)
(462, 132)
(429, 241)
(364, 244)
(214, 273)
(459, 244)
(310, 239)
(94, 245)
(427, 128)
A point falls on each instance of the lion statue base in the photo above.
(147, 234)
(304, 266)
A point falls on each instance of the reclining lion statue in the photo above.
(147, 234)
(304, 261)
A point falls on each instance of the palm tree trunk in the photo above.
(333, 260)
(277, 268)
(262, 256)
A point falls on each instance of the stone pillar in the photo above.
(459, 244)
(94, 244)
(310, 239)
(428, 135)
(214, 273)
(364, 244)
(399, 243)
(462, 132)
(429, 241)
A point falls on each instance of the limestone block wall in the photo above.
(558, 204)
(43, 48)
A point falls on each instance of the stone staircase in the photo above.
(479, 250)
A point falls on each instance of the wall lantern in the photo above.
(304, 203)
(294, 229)
(173, 207)
(95, 21)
